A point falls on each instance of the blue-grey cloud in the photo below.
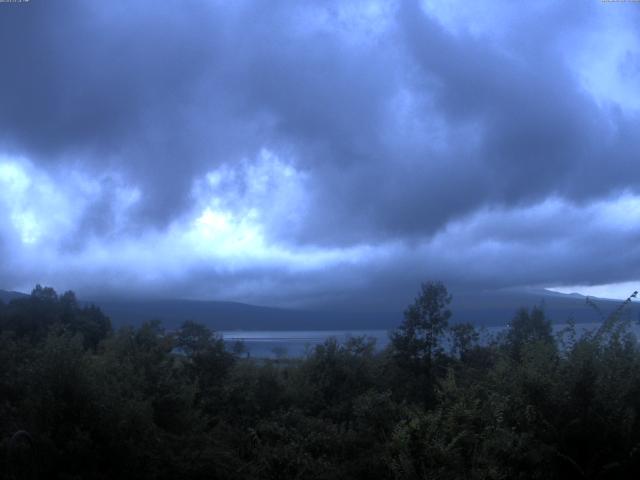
(305, 142)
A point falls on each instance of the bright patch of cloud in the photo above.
(479, 18)
(356, 22)
(35, 207)
(45, 209)
(608, 62)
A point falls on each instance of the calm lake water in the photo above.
(295, 343)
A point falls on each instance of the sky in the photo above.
(319, 154)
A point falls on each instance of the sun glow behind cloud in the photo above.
(242, 208)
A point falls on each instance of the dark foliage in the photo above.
(78, 400)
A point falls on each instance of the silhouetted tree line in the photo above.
(80, 400)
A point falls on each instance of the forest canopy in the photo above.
(79, 399)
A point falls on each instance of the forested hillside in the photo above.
(79, 399)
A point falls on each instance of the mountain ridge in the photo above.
(489, 308)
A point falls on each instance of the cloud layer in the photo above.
(305, 153)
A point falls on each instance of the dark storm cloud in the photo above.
(168, 92)
(539, 133)
(542, 134)
(400, 125)
(106, 86)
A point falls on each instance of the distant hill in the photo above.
(497, 307)
(490, 308)
(480, 308)
(6, 296)
(240, 316)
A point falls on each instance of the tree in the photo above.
(528, 328)
(416, 341)
(194, 338)
(207, 360)
(464, 337)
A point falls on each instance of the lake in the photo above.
(295, 343)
